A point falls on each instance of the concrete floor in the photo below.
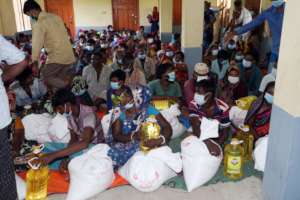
(248, 189)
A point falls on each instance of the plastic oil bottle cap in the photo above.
(235, 141)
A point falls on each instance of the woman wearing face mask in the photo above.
(206, 105)
(238, 57)
(134, 74)
(125, 138)
(231, 49)
(180, 68)
(117, 87)
(250, 74)
(85, 130)
(259, 114)
(232, 88)
(145, 63)
(165, 86)
(221, 65)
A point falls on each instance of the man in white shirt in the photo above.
(97, 75)
(13, 62)
(241, 17)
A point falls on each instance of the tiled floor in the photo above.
(248, 189)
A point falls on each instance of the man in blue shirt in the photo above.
(274, 17)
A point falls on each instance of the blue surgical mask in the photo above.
(199, 99)
(269, 98)
(277, 3)
(224, 62)
(239, 57)
(247, 64)
(142, 56)
(171, 76)
(67, 114)
(231, 46)
(114, 85)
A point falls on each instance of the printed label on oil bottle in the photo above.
(234, 165)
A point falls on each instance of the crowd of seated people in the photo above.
(128, 70)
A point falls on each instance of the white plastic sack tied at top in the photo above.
(44, 128)
(237, 116)
(148, 171)
(21, 187)
(199, 166)
(171, 115)
(260, 153)
(90, 173)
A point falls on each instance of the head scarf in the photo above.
(79, 86)
(142, 96)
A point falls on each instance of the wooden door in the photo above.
(125, 14)
(177, 10)
(64, 9)
(253, 5)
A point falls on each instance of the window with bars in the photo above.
(22, 21)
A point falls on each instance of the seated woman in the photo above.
(250, 74)
(206, 105)
(165, 86)
(232, 88)
(85, 129)
(181, 68)
(259, 115)
(117, 87)
(134, 74)
(124, 140)
(28, 89)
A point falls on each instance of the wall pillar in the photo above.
(282, 172)
(192, 31)
(166, 20)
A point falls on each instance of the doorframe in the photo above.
(137, 13)
(73, 32)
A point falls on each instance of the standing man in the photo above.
(49, 32)
(12, 63)
(241, 16)
(209, 20)
(274, 17)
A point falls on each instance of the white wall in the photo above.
(92, 13)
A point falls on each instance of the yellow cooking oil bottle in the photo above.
(234, 160)
(150, 129)
(246, 135)
(37, 178)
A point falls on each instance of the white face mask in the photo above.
(247, 64)
(239, 57)
(215, 52)
(141, 56)
(150, 40)
(199, 99)
(233, 79)
(200, 78)
(169, 54)
(89, 48)
(129, 106)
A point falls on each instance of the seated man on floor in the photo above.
(85, 129)
(206, 105)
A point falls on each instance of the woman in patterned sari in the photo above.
(125, 136)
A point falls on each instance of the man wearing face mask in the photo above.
(85, 129)
(250, 74)
(238, 58)
(205, 105)
(49, 32)
(231, 49)
(221, 65)
(134, 75)
(181, 68)
(201, 72)
(274, 17)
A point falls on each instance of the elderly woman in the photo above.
(124, 140)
